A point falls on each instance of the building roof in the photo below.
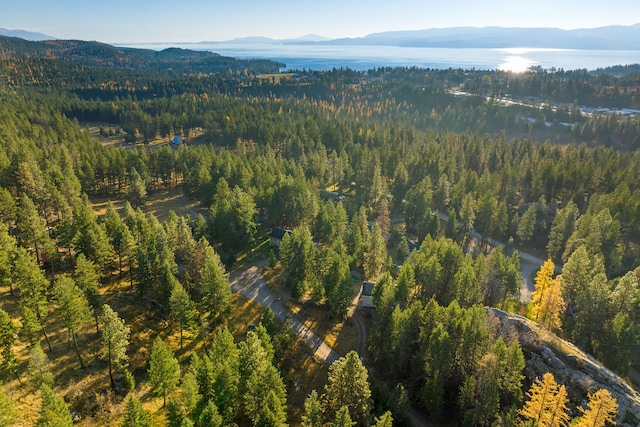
(176, 139)
(367, 288)
(278, 233)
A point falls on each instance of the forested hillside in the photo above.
(116, 317)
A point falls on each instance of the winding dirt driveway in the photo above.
(250, 283)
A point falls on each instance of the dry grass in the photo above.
(117, 140)
(159, 203)
(85, 390)
(276, 77)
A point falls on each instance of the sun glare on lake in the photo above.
(516, 64)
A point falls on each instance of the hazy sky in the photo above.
(120, 21)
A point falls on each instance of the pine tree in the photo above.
(210, 417)
(215, 287)
(467, 218)
(183, 310)
(258, 379)
(298, 255)
(128, 252)
(38, 370)
(224, 376)
(176, 413)
(7, 339)
(115, 339)
(53, 410)
(385, 420)
(30, 326)
(33, 287)
(137, 192)
(87, 278)
(8, 415)
(343, 419)
(31, 228)
(348, 385)
(547, 404)
(312, 411)
(375, 255)
(7, 248)
(134, 415)
(602, 410)
(403, 249)
(273, 411)
(563, 225)
(164, 370)
(527, 224)
(338, 288)
(190, 395)
(74, 307)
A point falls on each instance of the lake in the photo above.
(326, 57)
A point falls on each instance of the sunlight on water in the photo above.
(516, 64)
(325, 57)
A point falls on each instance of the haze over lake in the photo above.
(326, 57)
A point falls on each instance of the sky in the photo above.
(144, 21)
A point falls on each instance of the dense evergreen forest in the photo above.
(406, 177)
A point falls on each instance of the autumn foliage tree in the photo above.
(602, 410)
(547, 302)
(547, 403)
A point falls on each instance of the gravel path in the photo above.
(250, 283)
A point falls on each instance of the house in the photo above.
(176, 141)
(276, 236)
(366, 300)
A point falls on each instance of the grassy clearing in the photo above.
(159, 203)
(275, 77)
(118, 138)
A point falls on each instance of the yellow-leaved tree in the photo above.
(547, 301)
(547, 404)
(602, 410)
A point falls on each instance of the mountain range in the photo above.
(603, 38)
(26, 35)
(614, 37)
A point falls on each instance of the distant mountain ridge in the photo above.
(26, 35)
(602, 38)
(308, 38)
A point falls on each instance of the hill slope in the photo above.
(579, 372)
(107, 56)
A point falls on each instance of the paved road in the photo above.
(249, 282)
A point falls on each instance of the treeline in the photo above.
(598, 89)
(504, 189)
(419, 97)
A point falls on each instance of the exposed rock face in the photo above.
(579, 372)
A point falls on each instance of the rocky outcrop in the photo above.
(579, 372)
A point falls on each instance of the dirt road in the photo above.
(250, 283)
